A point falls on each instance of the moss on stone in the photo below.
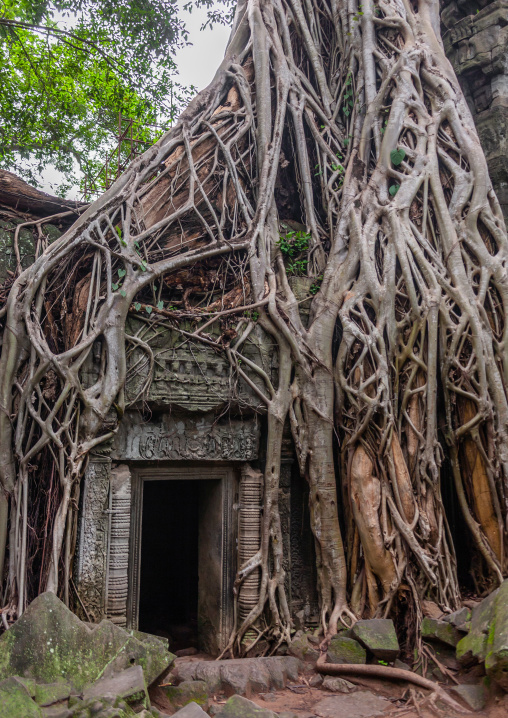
(346, 650)
(15, 700)
(50, 643)
(188, 692)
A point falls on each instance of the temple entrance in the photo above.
(183, 554)
(168, 601)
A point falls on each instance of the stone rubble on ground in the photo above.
(52, 665)
(242, 676)
(335, 684)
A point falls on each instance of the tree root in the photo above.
(395, 674)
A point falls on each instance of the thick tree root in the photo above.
(385, 672)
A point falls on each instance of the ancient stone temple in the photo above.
(170, 507)
(173, 503)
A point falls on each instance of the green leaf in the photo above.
(397, 156)
(160, 305)
(394, 189)
(149, 310)
(123, 293)
(114, 287)
(122, 272)
(137, 306)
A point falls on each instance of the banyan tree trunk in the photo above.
(347, 120)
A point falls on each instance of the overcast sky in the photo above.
(196, 63)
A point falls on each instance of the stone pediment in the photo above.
(194, 377)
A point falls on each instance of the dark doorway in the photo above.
(168, 601)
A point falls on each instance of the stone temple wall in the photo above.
(475, 36)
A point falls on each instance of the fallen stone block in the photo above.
(437, 630)
(496, 660)
(473, 695)
(259, 677)
(460, 619)
(129, 686)
(346, 650)
(191, 710)
(49, 643)
(362, 704)
(49, 693)
(188, 692)
(378, 636)
(302, 647)
(474, 645)
(338, 685)
(241, 676)
(15, 700)
(235, 679)
(239, 707)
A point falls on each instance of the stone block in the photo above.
(362, 704)
(378, 636)
(459, 618)
(302, 648)
(235, 679)
(209, 671)
(191, 710)
(496, 660)
(346, 650)
(436, 630)
(49, 693)
(336, 684)
(474, 645)
(50, 643)
(16, 702)
(277, 674)
(129, 686)
(472, 695)
(259, 677)
(188, 692)
(239, 707)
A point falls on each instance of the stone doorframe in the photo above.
(176, 472)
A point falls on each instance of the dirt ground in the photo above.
(301, 699)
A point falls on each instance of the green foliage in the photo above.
(68, 68)
(316, 285)
(397, 156)
(293, 245)
(393, 189)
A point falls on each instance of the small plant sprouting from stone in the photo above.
(293, 244)
(316, 285)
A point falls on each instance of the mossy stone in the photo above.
(436, 630)
(188, 692)
(378, 636)
(16, 702)
(240, 707)
(49, 643)
(49, 693)
(346, 650)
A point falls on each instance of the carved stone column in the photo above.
(91, 565)
(117, 582)
(287, 458)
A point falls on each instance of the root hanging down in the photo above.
(398, 372)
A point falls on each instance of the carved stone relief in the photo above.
(117, 584)
(182, 438)
(91, 565)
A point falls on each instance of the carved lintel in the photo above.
(184, 439)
